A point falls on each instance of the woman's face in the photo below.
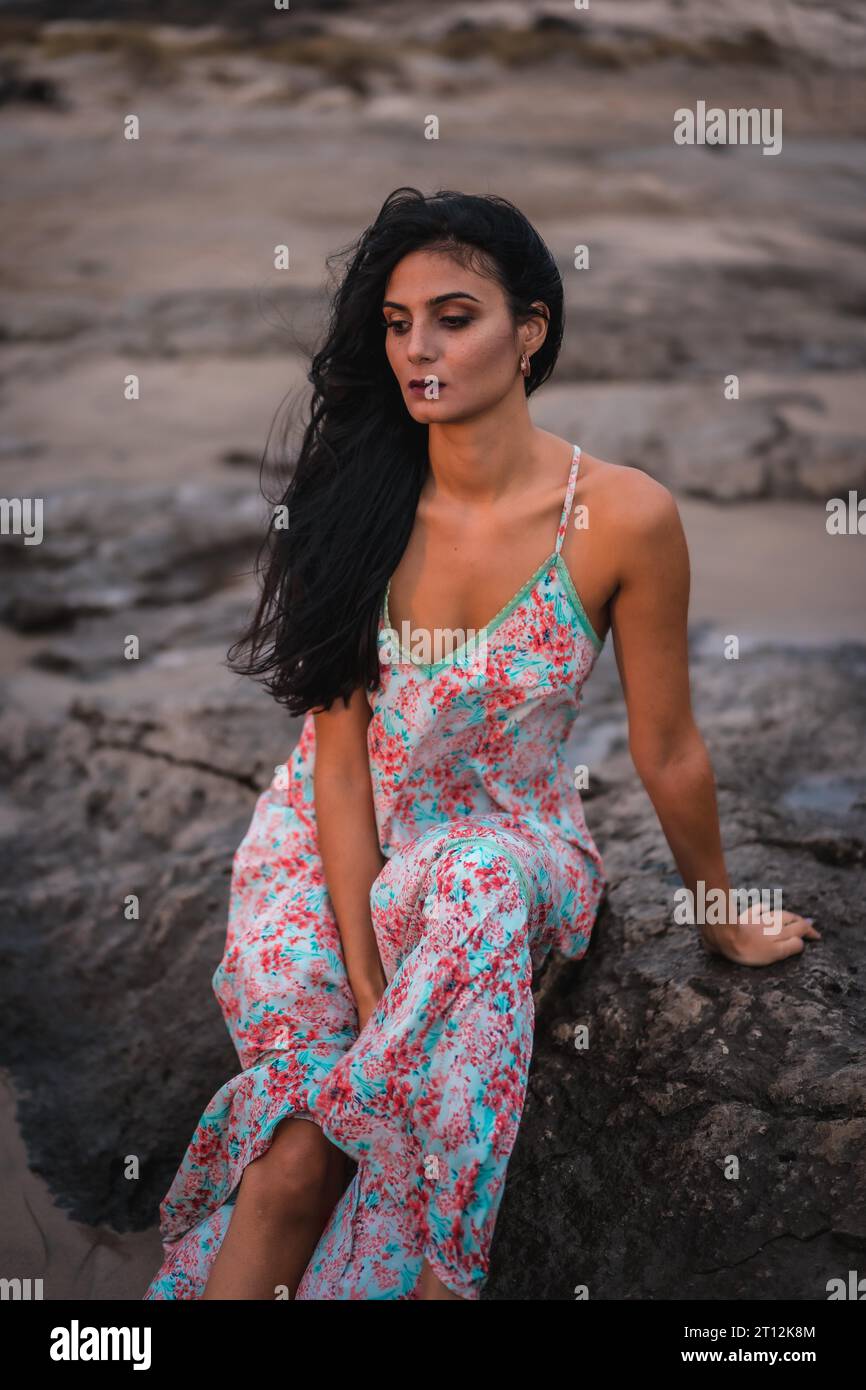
(450, 331)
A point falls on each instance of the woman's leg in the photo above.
(433, 1089)
(281, 985)
(283, 1204)
(430, 1287)
(471, 1100)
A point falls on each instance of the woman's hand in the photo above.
(760, 937)
(368, 989)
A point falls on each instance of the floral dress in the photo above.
(489, 864)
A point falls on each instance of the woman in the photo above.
(425, 847)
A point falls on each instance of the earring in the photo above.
(524, 363)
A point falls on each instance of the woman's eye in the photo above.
(452, 320)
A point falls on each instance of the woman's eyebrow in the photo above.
(437, 299)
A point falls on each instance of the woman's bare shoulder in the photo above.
(629, 526)
(626, 499)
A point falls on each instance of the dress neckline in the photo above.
(559, 566)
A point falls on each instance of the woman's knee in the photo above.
(490, 870)
(298, 1173)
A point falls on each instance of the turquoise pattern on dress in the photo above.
(489, 865)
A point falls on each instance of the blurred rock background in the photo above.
(156, 257)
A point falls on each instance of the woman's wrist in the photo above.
(363, 963)
(369, 985)
(712, 938)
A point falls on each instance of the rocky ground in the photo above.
(139, 777)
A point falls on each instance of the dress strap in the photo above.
(569, 494)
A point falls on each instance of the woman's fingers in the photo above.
(784, 933)
(789, 946)
(795, 929)
(805, 923)
(781, 924)
(767, 936)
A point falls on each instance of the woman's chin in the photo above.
(438, 411)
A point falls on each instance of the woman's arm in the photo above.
(649, 616)
(349, 840)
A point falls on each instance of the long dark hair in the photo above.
(344, 520)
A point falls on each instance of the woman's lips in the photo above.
(419, 388)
